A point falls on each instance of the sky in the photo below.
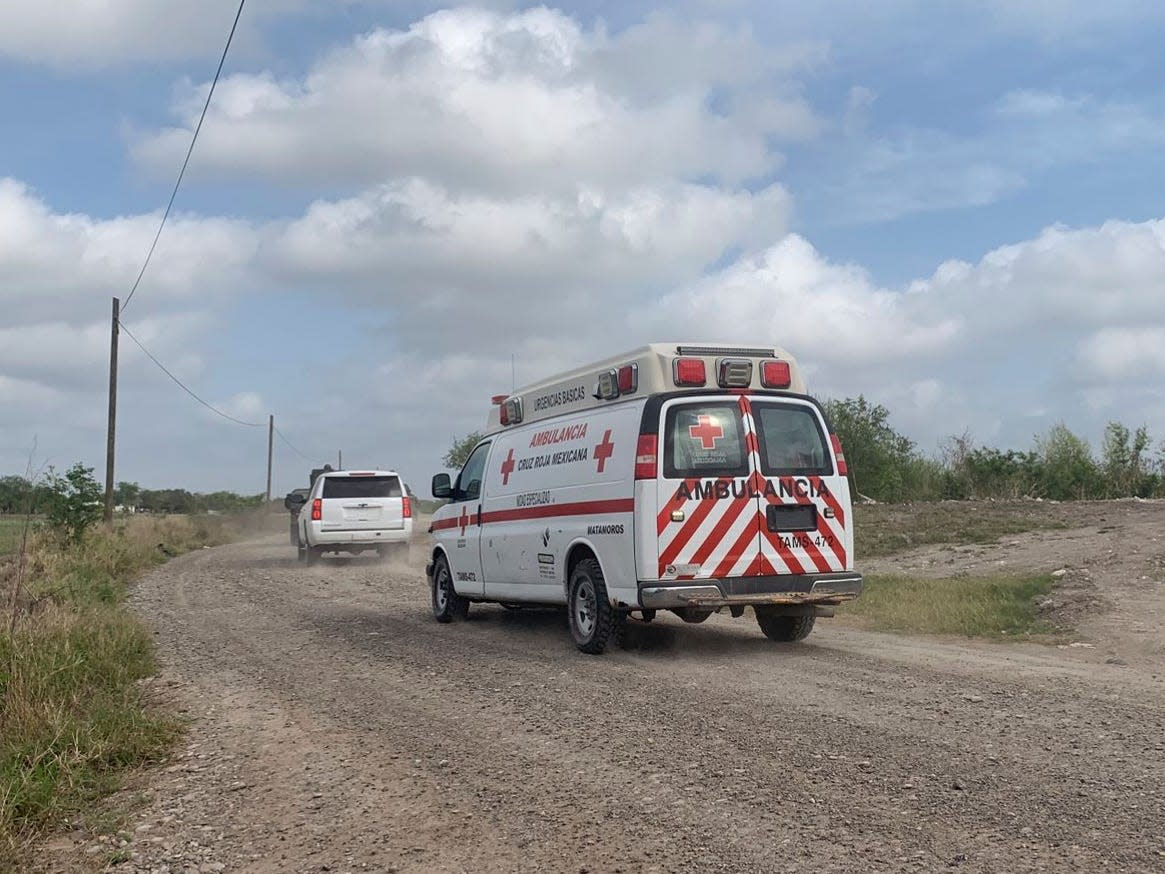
(394, 208)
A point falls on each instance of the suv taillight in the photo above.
(406, 508)
(842, 468)
(317, 510)
(645, 456)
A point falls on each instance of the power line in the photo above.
(183, 386)
(291, 446)
(189, 152)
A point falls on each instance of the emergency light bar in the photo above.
(734, 372)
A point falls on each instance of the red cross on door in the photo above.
(464, 520)
(604, 450)
(707, 430)
(507, 468)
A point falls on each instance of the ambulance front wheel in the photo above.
(784, 628)
(593, 621)
(447, 604)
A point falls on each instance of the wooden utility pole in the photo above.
(340, 460)
(270, 452)
(111, 429)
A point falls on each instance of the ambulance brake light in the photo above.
(628, 379)
(689, 371)
(646, 456)
(842, 468)
(317, 510)
(775, 374)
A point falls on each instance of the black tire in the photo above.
(647, 615)
(784, 629)
(447, 604)
(593, 621)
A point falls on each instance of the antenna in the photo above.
(513, 373)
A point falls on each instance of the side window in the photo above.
(468, 487)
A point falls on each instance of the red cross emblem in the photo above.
(507, 468)
(707, 430)
(604, 450)
(464, 520)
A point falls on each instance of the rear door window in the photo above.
(362, 487)
(792, 442)
(704, 439)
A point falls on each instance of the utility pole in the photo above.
(270, 452)
(112, 426)
(340, 460)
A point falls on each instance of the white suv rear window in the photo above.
(362, 487)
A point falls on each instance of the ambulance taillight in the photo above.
(775, 374)
(842, 468)
(646, 451)
(689, 371)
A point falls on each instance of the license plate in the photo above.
(791, 517)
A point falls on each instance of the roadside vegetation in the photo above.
(73, 719)
(1002, 607)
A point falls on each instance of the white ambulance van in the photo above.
(685, 477)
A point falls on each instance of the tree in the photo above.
(75, 503)
(127, 494)
(882, 463)
(1069, 470)
(1125, 464)
(459, 452)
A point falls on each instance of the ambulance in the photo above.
(683, 477)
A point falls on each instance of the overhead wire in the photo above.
(183, 385)
(189, 152)
(291, 446)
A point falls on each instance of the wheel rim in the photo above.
(584, 607)
(441, 590)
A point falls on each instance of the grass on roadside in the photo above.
(11, 530)
(993, 607)
(886, 529)
(72, 715)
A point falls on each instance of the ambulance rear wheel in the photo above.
(784, 629)
(593, 621)
(447, 604)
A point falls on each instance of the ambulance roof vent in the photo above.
(725, 350)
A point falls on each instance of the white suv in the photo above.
(355, 511)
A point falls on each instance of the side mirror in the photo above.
(442, 486)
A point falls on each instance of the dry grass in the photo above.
(1001, 607)
(72, 717)
(886, 529)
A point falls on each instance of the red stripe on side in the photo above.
(445, 523)
(578, 508)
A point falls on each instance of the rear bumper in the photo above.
(367, 537)
(824, 589)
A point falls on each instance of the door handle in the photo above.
(479, 515)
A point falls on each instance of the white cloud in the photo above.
(507, 102)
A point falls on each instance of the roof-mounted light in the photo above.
(776, 374)
(628, 379)
(688, 372)
(607, 385)
(734, 372)
(511, 412)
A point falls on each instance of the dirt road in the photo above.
(336, 727)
